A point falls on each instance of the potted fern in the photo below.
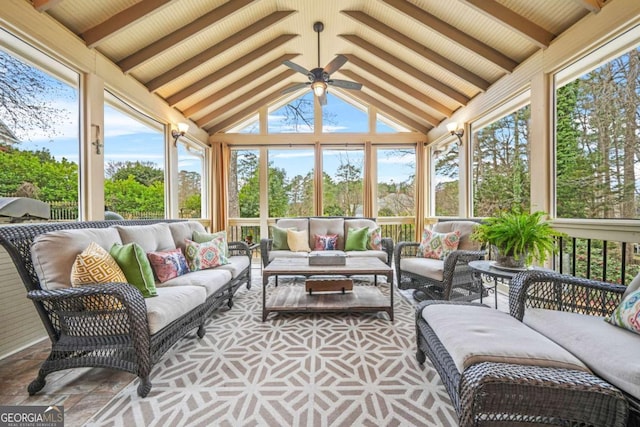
(517, 237)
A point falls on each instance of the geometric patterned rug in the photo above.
(291, 370)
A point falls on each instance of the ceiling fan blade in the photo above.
(336, 63)
(296, 67)
(295, 87)
(323, 99)
(345, 84)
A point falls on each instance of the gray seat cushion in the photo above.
(475, 333)
(611, 352)
(237, 264)
(171, 303)
(54, 253)
(211, 280)
(426, 267)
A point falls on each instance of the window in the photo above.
(244, 184)
(134, 162)
(291, 175)
(342, 181)
(597, 135)
(39, 130)
(190, 173)
(396, 181)
(297, 116)
(340, 115)
(501, 164)
(446, 182)
(387, 125)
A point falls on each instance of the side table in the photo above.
(488, 269)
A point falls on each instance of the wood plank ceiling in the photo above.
(219, 61)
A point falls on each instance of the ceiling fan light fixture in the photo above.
(319, 88)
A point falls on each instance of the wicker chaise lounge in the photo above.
(561, 309)
(112, 325)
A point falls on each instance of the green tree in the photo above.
(145, 173)
(129, 195)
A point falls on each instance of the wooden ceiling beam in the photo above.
(217, 49)
(229, 68)
(180, 35)
(507, 17)
(253, 108)
(118, 22)
(237, 84)
(391, 112)
(591, 5)
(44, 5)
(446, 90)
(418, 48)
(450, 32)
(398, 84)
(241, 99)
(402, 103)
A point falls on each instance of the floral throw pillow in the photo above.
(374, 239)
(438, 245)
(201, 256)
(627, 314)
(327, 242)
(168, 264)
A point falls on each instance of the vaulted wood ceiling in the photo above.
(219, 61)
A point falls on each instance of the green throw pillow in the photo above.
(136, 267)
(357, 239)
(202, 237)
(279, 236)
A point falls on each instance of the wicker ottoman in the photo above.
(493, 393)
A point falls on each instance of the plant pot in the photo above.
(509, 261)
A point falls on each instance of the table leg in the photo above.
(265, 282)
(495, 293)
(390, 282)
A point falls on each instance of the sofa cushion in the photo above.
(356, 239)
(286, 254)
(381, 255)
(295, 223)
(465, 228)
(437, 245)
(374, 239)
(327, 226)
(171, 303)
(95, 265)
(610, 352)
(154, 237)
(279, 236)
(427, 267)
(627, 313)
(136, 267)
(211, 280)
(632, 287)
(298, 241)
(475, 333)
(237, 264)
(201, 256)
(54, 253)
(326, 242)
(184, 230)
(203, 236)
(168, 264)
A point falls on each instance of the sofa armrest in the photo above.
(387, 246)
(555, 291)
(265, 246)
(239, 248)
(104, 310)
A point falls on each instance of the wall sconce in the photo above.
(453, 130)
(182, 129)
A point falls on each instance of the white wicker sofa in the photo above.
(111, 324)
(322, 226)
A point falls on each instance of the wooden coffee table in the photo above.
(294, 299)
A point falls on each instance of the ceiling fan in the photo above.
(319, 77)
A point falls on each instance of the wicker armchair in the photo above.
(564, 293)
(449, 279)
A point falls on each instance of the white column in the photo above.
(92, 148)
(541, 142)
